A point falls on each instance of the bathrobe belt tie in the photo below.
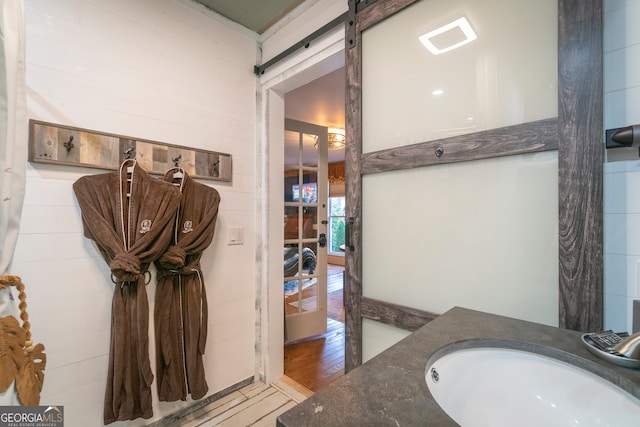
(126, 267)
(186, 270)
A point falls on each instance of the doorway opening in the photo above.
(314, 361)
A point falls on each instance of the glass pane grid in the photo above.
(302, 281)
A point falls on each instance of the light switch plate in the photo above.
(235, 235)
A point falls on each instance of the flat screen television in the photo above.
(309, 192)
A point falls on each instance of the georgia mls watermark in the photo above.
(31, 416)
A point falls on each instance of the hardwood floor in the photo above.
(318, 361)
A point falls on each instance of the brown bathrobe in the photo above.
(131, 231)
(181, 312)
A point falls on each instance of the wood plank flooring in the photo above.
(318, 361)
(256, 405)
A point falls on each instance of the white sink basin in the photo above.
(504, 387)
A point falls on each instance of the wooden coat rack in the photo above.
(65, 145)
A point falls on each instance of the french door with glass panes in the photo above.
(305, 230)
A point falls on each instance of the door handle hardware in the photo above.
(347, 233)
(322, 240)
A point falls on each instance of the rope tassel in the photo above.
(20, 360)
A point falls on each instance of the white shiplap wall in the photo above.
(162, 70)
(622, 167)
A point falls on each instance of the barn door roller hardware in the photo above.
(355, 6)
(349, 17)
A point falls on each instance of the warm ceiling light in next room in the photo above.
(336, 139)
(448, 37)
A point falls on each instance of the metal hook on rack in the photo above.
(214, 169)
(69, 144)
(129, 153)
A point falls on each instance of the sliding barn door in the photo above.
(470, 182)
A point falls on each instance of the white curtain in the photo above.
(13, 146)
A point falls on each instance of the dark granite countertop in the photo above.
(390, 389)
